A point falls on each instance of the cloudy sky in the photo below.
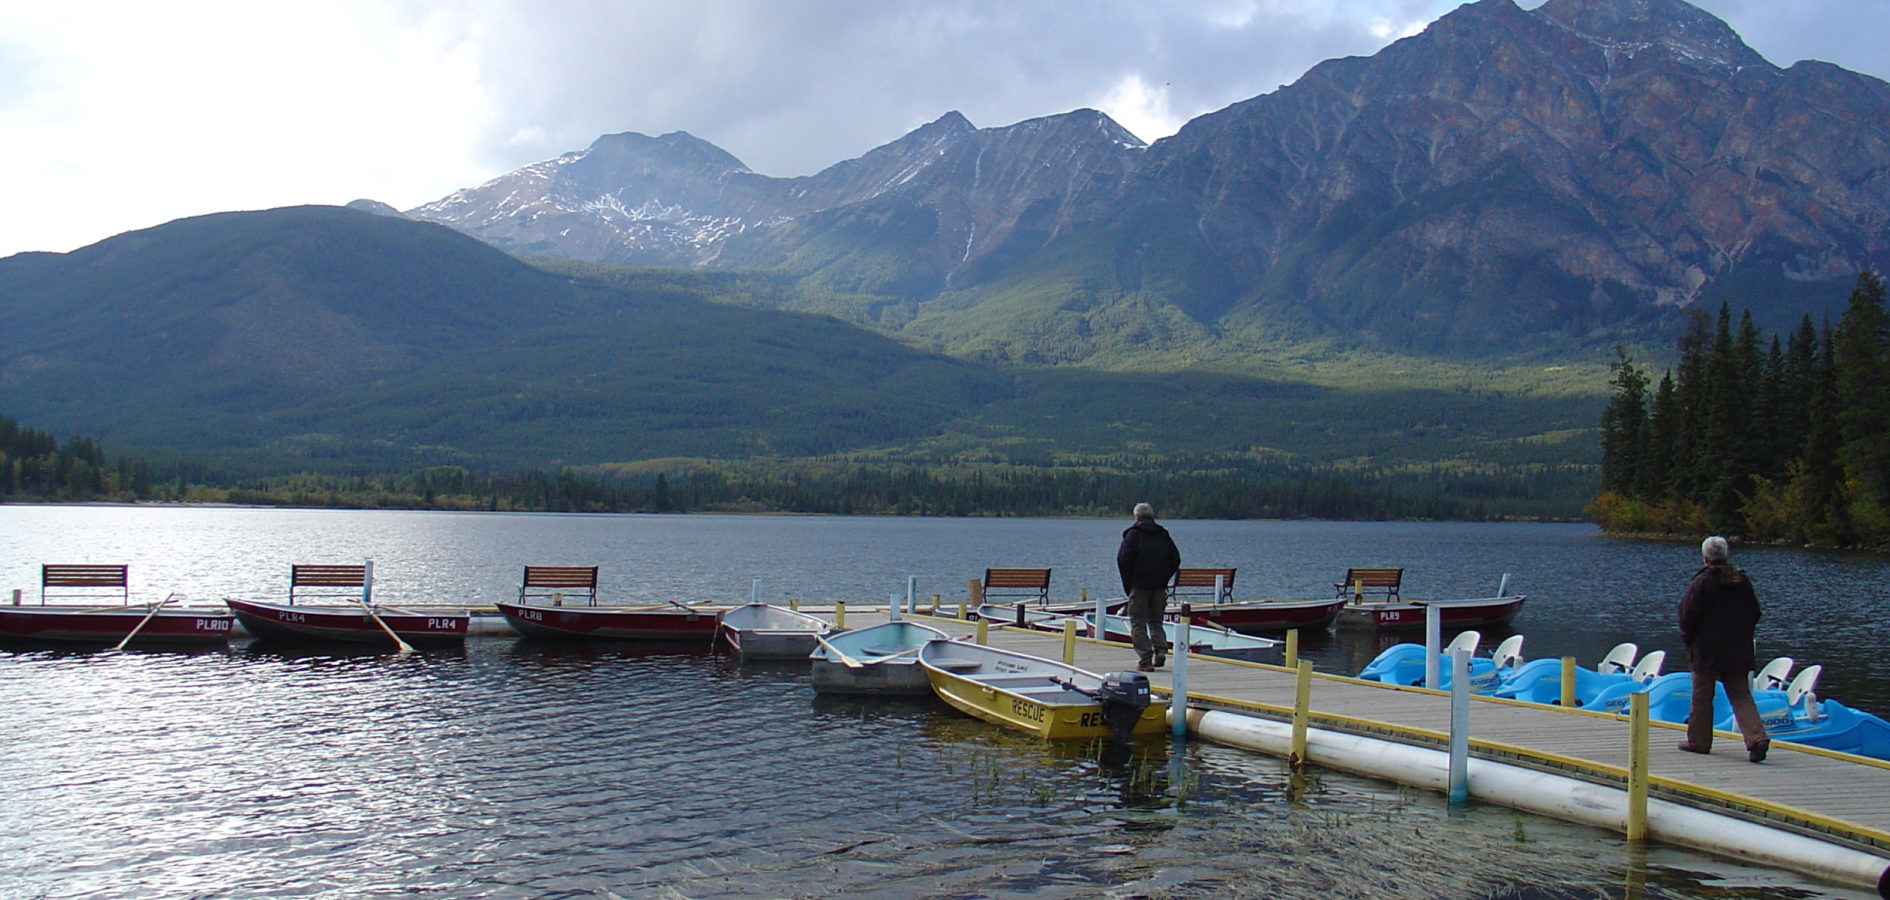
(122, 114)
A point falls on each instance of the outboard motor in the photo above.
(1124, 696)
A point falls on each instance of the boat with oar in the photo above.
(877, 659)
(1405, 664)
(1269, 616)
(120, 625)
(1209, 639)
(672, 621)
(766, 631)
(362, 623)
(1041, 696)
(1476, 612)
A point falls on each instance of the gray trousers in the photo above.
(1738, 692)
(1146, 609)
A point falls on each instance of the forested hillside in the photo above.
(1777, 438)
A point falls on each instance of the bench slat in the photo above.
(1383, 580)
(1203, 578)
(85, 577)
(1035, 581)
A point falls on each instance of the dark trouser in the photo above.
(1738, 692)
(1147, 606)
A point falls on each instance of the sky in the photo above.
(117, 115)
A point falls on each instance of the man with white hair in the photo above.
(1147, 560)
(1718, 614)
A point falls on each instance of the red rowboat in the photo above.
(1261, 616)
(636, 623)
(304, 623)
(1457, 614)
(110, 624)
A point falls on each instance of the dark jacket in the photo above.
(1718, 614)
(1147, 558)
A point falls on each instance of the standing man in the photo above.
(1718, 614)
(1147, 560)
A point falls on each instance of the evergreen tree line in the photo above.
(1786, 439)
(35, 465)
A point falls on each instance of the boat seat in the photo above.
(1806, 681)
(1013, 682)
(1620, 660)
(1774, 676)
(1465, 641)
(1648, 668)
(1508, 654)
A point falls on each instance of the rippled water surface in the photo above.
(519, 769)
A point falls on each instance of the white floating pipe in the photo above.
(1100, 630)
(912, 587)
(892, 607)
(754, 591)
(1555, 796)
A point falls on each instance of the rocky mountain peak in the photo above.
(1680, 29)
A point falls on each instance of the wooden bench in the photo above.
(1200, 582)
(1358, 582)
(552, 581)
(79, 580)
(328, 578)
(1018, 582)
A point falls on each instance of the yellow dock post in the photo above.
(1292, 649)
(1302, 703)
(935, 600)
(1568, 682)
(794, 603)
(984, 631)
(1069, 642)
(840, 614)
(1637, 767)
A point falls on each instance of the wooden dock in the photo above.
(1831, 797)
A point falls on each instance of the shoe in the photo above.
(1688, 747)
(1160, 660)
(1756, 752)
(1144, 667)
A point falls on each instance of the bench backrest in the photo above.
(1018, 582)
(543, 581)
(1201, 582)
(329, 577)
(1383, 581)
(84, 580)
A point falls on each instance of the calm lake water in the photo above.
(519, 769)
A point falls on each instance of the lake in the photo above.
(518, 769)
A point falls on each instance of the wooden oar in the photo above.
(141, 622)
(367, 582)
(845, 660)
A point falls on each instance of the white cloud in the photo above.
(1141, 108)
(118, 114)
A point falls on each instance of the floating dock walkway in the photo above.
(1804, 809)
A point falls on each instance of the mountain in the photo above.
(1507, 179)
(327, 337)
(344, 340)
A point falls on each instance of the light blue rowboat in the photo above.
(877, 659)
